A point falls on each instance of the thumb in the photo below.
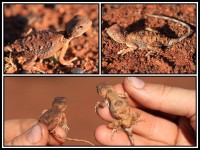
(37, 135)
(172, 100)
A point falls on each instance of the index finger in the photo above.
(172, 100)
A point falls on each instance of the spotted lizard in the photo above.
(149, 38)
(119, 109)
(44, 44)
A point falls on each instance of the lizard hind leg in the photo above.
(136, 117)
(131, 46)
(115, 126)
(29, 64)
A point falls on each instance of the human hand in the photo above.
(169, 115)
(28, 132)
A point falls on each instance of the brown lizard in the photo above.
(145, 39)
(44, 44)
(55, 117)
(119, 109)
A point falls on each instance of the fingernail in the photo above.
(35, 134)
(137, 83)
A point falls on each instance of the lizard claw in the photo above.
(96, 106)
(65, 127)
(114, 131)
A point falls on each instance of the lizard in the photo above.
(44, 44)
(119, 109)
(145, 39)
(55, 117)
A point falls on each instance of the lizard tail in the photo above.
(173, 41)
(131, 139)
(79, 140)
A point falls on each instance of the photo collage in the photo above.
(99, 74)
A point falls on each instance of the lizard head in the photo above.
(104, 88)
(78, 25)
(116, 33)
(60, 103)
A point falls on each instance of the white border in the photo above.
(98, 75)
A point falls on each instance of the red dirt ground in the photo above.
(54, 17)
(180, 58)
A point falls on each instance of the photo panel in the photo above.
(149, 38)
(50, 38)
(99, 109)
(99, 74)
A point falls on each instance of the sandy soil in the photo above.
(52, 17)
(27, 97)
(180, 58)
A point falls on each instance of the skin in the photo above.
(52, 122)
(169, 116)
(17, 132)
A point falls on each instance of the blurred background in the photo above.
(19, 18)
(27, 97)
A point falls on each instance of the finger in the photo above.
(186, 134)
(37, 135)
(59, 138)
(152, 127)
(16, 127)
(104, 113)
(104, 136)
(164, 98)
(120, 89)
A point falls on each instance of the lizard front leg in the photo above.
(63, 123)
(153, 50)
(124, 51)
(130, 44)
(62, 54)
(102, 104)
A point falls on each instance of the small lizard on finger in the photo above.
(55, 117)
(119, 109)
